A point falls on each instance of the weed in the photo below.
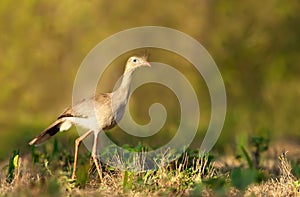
(285, 185)
(13, 166)
(192, 174)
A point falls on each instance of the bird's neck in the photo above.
(122, 93)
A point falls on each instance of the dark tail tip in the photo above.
(46, 134)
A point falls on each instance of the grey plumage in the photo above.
(97, 113)
(83, 110)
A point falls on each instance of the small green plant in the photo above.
(247, 157)
(296, 167)
(128, 178)
(34, 155)
(13, 166)
(240, 176)
(219, 184)
(258, 145)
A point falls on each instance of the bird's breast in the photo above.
(119, 112)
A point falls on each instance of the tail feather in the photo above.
(47, 133)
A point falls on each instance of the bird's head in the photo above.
(135, 62)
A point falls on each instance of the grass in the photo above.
(47, 173)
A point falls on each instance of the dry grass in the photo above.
(187, 176)
(285, 185)
(176, 178)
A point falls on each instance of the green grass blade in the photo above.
(247, 156)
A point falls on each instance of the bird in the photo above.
(95, 114)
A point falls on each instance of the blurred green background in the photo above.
(254, 43)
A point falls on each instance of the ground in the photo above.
(43, 174)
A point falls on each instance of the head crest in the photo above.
(146, 55)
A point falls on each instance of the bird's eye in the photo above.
(135, 60)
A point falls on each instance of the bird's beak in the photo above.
(145, 63)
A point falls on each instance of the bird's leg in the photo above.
(94, 156)
(77, 143)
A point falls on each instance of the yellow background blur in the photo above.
(254, 43)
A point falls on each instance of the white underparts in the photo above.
(65, 126)
(86, 123)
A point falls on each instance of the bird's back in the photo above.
(91, 113)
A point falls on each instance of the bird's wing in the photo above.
(86, 107)
(69, 112)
